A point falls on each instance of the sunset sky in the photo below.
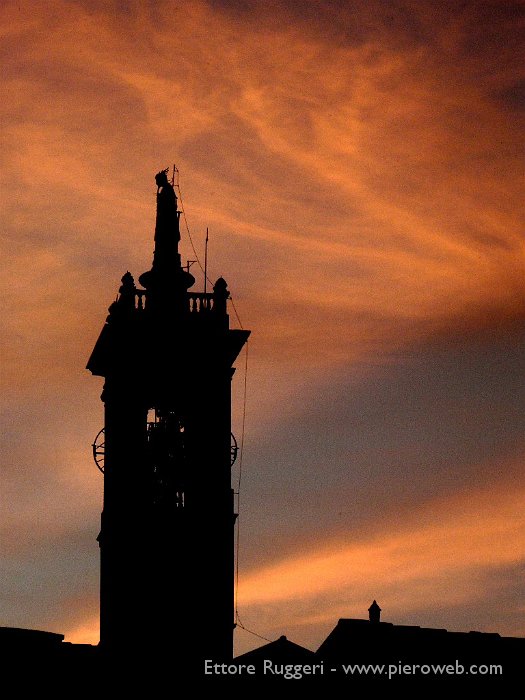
(360, 167)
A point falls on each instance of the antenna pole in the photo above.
(173, 176)
(206, 261)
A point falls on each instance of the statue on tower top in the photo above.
(166, 272)
(162, 178)
(167, 224)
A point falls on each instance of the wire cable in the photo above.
(177, 185)
(236, 314)
(238, 621)
(255, 634)
(239, 481)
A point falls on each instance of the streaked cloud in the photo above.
(451, 541)
(440, 558)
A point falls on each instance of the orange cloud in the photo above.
(450, 546)
(363, 165)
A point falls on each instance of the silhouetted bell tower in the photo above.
(166, 541)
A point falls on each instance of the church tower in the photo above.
(167, 533)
